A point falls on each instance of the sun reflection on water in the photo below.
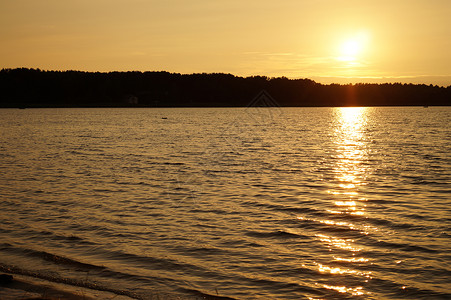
(363, 229)
(343, 289)
(337, 270)
(352, 259)
(348, 163)
(350, 146)
(334, 242)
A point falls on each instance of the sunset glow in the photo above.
(350, 49)
(327, 41)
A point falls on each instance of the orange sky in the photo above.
(328, 41)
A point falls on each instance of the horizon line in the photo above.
(320, 79)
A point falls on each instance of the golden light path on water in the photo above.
(351, 150)
(350, 141)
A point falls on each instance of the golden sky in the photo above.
(326, 40)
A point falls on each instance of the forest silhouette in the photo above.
(23, 88)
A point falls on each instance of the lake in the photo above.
(241, 203)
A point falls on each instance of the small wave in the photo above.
(282, 234)
(201, 251)
(330, 226)
(61, 260)
(240, 243)
(73, 282)
(154, 263)
(215, 211)
(68, 238)
(282, 208)
(205, 296)
(54, 258)
(173, 163)
(5, 246)
(405, 247)
(394, 225)
(396, 290)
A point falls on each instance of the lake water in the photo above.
(245, 203)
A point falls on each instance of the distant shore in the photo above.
(34, 88)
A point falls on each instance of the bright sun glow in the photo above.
(352, 48)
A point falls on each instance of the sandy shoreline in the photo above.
(25, 287)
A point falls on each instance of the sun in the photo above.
(352, 48)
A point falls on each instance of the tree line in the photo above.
(23, 87)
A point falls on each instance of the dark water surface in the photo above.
(246, 203)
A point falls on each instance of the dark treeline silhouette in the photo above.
(35, 88)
